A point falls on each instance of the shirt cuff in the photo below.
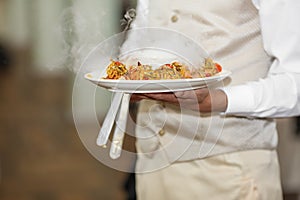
(239, 99)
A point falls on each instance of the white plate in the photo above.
(154, 86)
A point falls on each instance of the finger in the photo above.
(188, 94)
(198, 94)
(166, 97)
(137, 97)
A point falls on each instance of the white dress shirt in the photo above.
(277, 95)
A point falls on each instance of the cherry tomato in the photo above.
(118, 63)
(219, 67)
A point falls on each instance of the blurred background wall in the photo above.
(41, 155)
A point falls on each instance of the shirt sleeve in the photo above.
(277, 95)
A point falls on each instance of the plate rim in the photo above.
(222, 74)
(112, 85)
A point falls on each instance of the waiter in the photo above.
(220, 143)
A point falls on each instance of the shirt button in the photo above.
(174, 18)
(161, 132)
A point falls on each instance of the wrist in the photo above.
(218, 100)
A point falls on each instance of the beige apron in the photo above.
(248, 175)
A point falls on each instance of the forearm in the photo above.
(202, 100)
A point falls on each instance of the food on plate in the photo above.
(209, 68)
(115, 70)
(174, 70)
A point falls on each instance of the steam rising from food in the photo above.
(83, 26)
